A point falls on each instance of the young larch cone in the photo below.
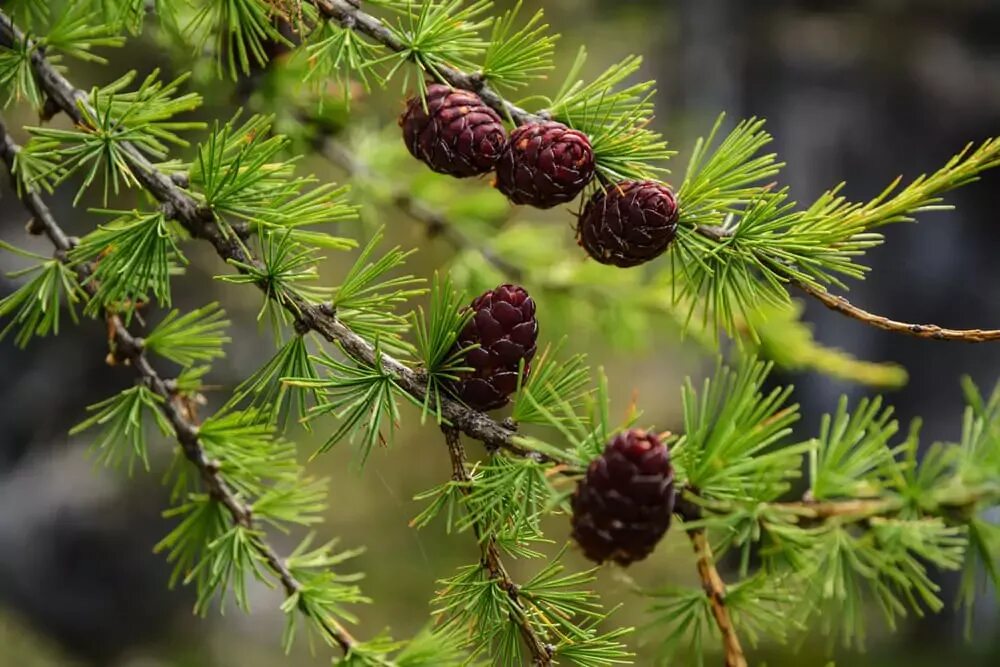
(457, 134)
(629, 223)
(622, 506)
(504, 325)
(545, 164)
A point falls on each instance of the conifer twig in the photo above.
(200, 222)
(540, 651)
(348, 15)
(128, 349)
(844, 307)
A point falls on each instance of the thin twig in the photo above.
(844, 307)
(350, 16)
(200, 222)
(931, 331)
(541, 652)
(715, 589)
(689, 508)
(129, 349)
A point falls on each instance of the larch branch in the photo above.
(200, 222)
(541, 653)
(129, 349)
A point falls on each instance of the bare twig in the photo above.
(715, 589)
(931, 331)
(541, 652)
(844, 307)
(129, 349)
(201, 223)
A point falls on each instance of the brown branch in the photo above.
(129, 349)
(348, 15)
(200, 222)
(541, 652)
(841, 305)
(715, 589)
(930, 331)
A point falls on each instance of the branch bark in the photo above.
(930, 331)
(129, 349)
(715, 589)
(711, 580)
(182, 206)
(844, 307)
(541, 652)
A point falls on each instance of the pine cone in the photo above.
(457, 134)
(622, 507)
(545, 164)
(505, 328)
(629, 223)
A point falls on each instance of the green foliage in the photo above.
(332, 52)
(439, 34)
(252, 457)
(130, 259)
(71, 33)
(111, 121)
(757, 241)
(323, 593)
(614, 120)
(723, 179)
(786, 340)
(436, 341)
(762, 607)
(34, 307)
(877, 522)
(240, 31)
(123, 434)
(555, 390)
(475, 606)
(241, 171)
(191, 337)
(517, 56)
(852, 448)
(363, 398)
(368, 296)
(285, 273)
(271, 397)
(734, 443)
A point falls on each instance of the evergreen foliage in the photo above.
(877, 522)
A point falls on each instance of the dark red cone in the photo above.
(622, 507)
(457, 134)
(505, 328)
(545, 164)
(629, 223)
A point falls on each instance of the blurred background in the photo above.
(859, 90)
